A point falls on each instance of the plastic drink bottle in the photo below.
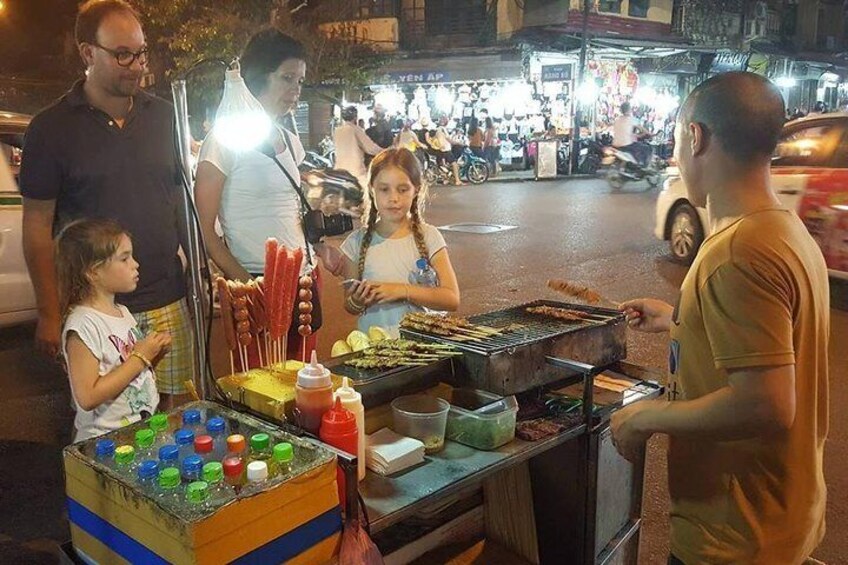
(191, 421)
(169, 485)
(217, 429)
(338, 428)
(219, 492)
(352, 400)
(148, 477)
(257, 472)
(236, 445)
(283, 456)
(424, 274)
(203, 447)
(169, 456)
(125, 460)
(192, 468)
(197, 493)
(313, 394)
(234, 473)
(159, 424)
(185, 441)
(144, 443)
(104, 452)
(260, 447)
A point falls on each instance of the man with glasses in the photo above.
(106, 149)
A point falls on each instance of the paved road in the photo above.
(575, 230)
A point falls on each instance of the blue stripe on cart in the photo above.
(285, 547)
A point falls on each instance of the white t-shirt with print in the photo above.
(110, 339)
(391, 261)
(258, 200)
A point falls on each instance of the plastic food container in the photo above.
(421, 417)
(480, 419)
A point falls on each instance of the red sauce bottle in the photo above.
(338, 428)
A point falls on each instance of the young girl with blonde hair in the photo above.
(110, 364)
(381, 256)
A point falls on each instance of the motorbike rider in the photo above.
(352, 144)
(440, 143)
(625, 136)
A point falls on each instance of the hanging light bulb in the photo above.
(241, 122)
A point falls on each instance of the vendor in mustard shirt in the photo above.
(747, 407)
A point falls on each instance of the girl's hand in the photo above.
(153, 345)
(362, 294)
(390, 292)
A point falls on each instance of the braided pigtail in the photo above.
(370, 224)
(417, 232)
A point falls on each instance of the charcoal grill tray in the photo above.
(524, 328)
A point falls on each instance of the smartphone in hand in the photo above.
(350, 283)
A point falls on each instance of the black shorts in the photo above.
(445, 156)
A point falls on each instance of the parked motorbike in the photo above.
(472, 168)
(623, 167)
(321, 180)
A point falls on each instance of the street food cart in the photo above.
(557, 493)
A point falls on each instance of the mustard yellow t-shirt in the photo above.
(757, 295)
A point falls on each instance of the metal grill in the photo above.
(522, 328)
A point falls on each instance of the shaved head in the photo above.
(742, 111)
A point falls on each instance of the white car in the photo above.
(18, 302)
(809, 175)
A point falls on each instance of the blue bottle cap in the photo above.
(191, 417)
(422, 264)
(104, 448)
(192, 464)
(148, 470)
(169, 453)
(215, 425)
(184, 437)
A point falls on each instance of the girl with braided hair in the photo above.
(383, 253)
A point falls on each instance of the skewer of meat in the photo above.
(241, 315)
(579, 292)
(278, 299)
(564, 314)
(270, 277)
(257, 316)
(225, 301)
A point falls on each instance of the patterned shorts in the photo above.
(178, 364)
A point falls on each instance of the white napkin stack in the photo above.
(387, 452)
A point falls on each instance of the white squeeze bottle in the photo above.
(352, 400)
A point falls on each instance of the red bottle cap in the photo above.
(203, 444)
(338, 421)
(233, 467)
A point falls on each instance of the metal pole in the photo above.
(197, 294)
(581, 72)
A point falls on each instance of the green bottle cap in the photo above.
(283, 452)
(145, 438)
(260, 442)
(124, 454)
(158, 422)
(213, 472)
(197, 492)
(169, 478)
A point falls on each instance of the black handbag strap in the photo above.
(268, 150)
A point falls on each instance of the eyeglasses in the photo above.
(126, 58)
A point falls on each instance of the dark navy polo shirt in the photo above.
(77, 155)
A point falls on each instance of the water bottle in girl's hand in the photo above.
(424, 274)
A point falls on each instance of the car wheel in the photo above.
(685, 233)
(478, 173)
